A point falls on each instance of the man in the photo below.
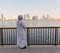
(21, 33)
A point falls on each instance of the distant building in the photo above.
(35, 18)
(43, 17)
(26, 17)
(0, 19)
(46, 17)
(2, 16)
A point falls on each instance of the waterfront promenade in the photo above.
(46, 36)
(30, 49)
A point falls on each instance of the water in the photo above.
(31, 23)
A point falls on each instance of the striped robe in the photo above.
(21, 34)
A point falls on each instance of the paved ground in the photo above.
(30, 49)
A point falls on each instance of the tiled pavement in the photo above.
(30, 49)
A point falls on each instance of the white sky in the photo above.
(12, 8)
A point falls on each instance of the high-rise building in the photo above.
(2, 16)
(48, 17)
(26, 17)
(35, 18)
(43, 17)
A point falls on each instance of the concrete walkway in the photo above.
(30, 49)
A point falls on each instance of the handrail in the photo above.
(55, 34)
(27, 27)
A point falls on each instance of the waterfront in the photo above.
(32, 23)
(38, 36)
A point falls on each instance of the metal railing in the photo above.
(35, 36)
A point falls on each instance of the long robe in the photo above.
(21, 34)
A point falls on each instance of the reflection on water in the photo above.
(30, 23)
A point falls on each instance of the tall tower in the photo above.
(2, 16)
(43, 17)
(24, 17)
(2, 20)
(27, 16)
(35, 17)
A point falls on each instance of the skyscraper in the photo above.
(26, 17)
(35, 17)
(2, 16)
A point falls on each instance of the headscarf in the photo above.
(20, 17)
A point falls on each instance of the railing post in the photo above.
(28, 36)
(56, 36)
(1, 36)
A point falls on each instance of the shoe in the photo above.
(24, 47)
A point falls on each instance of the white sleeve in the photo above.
(23, 25)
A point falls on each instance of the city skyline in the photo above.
(28, 17)
(12, 8)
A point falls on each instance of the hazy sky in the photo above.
(12, 8)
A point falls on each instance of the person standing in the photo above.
(21, 33)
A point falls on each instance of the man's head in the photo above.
(20, 17)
